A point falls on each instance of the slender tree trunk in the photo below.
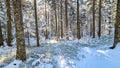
(99, 28)
(117, 26)
(18, 19)
(46, 20)
(28, 36)
(78, 21)
(48, 17)
(9, 25)
(61, 19)
(66, 16)
(47, 24)
(36, 23)
(94, 18)
(56, 23)
(1, 36)
(58, 17)
(91, 29)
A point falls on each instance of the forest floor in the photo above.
(84, 53)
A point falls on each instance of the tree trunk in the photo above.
(1, 36)
(9, 25)
(78, 21)
(18, 19)
(47, 25)
(58, 17)
(94, 18)
(28, 30)
(36, 23)
(61, 19)
(46, 20)
(99, 28)
(66, 16)
(56, 23)
(91, 29)
(117, 26)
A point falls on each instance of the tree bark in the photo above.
(99, 28)
(18, 19)
(61, 7)
(1, 36)
(117, 26)
(66, 16)
(58, 16)
(91, 29)
(36, 23)
(94, 18)
(9, 25)
(46, 20)
(78, 21)
(56, 23)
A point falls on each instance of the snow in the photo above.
(84, 53)
(32, 42)
(6, 53)
(52, 41)
(14, 64)
(102, 61)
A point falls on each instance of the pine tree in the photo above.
(46, 20)
(99, 28)
(78, 21)
(66, 16)
(117, 26)
(56, 22)
(18, 20)
(1, 36)
(9, 25)
(94, 18)
(36, 23)
(61, 7)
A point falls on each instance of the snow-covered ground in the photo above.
(84, 53)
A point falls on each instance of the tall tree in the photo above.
(61, 7)
(56, 22)
(99, 28)
(66, 15)
(58, 17)
(9, 25)
(18, 20)
(1, 36)
(46, 20)
(47, 25)
(117, 26)
(36, 23)
(94, 18)
(78, 21)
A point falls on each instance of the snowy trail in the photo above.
(57, 56)
(101, 59)
(72, 55)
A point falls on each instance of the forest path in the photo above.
(68, 54)
(59, 55)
